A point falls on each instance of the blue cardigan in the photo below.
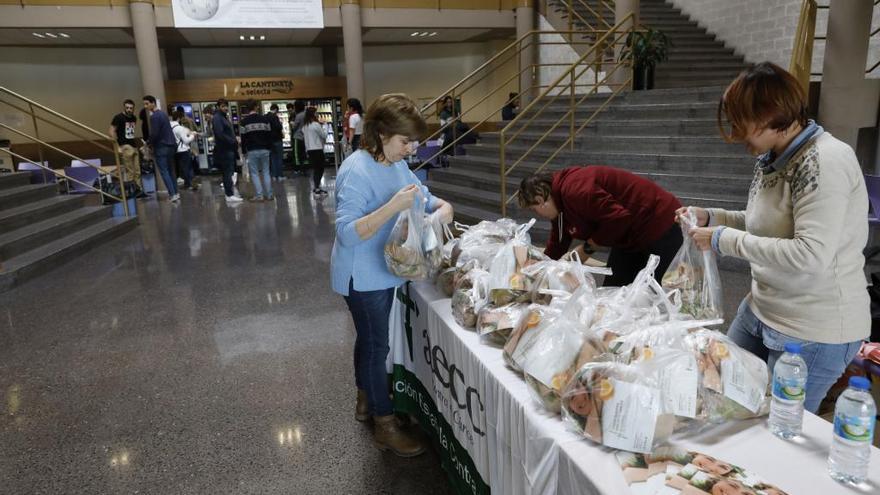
(362, 186)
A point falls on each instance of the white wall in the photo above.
(561, 54)
(223, 63)
(88, 85)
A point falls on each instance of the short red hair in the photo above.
(767, 96)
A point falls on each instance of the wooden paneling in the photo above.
(258, 88)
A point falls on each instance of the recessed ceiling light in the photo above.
(262, 38)
(241, 37)
(433, 33)
(253, 38)
(38, 35)
(64, 35)
(415, 34)
(51, 35)
(423, 34)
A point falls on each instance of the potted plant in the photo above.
(647, 47)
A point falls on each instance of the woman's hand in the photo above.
(701, 213)
(404, 198)
(702, 236)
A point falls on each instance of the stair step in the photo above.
(14, 179)
(16, 196)
(21, 268)
(652, 144)
(28, 237)
(689, 66)
(14, 218)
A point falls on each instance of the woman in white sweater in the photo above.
(803, 231)
(315, 136)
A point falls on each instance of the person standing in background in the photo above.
(225, 147)
(256, 143)
(163, 144)
(122, 129)
(277, 151)
(296, 133)
(509, 111)
(193, 147)
(315, 137)
(183, 156)
(355, 123)
(346, 137)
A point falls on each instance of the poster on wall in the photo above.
(287, 14)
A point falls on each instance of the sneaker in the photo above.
(175, 198)
(180, 181)
(234, 199)
(257, 199)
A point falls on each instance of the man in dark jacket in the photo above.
(277, 151)
(164, 145)
(225, 147)
(256, 143)
(608, 207)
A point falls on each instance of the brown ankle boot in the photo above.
(362, 409)
(388, 435)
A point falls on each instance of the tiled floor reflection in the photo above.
(202, 353)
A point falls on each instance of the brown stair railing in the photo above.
(567, 85)
(41, 114)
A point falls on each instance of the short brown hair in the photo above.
(767, 96)
(389, 115)
(538, 185)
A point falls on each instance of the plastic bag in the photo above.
(507, 282)
(495, 324)
(432, 235)
(446, 281)
(617, 405)
(695, 274)
(563, 275)
(404, 250)
(631, 347)
(524, 335)
(469, 297)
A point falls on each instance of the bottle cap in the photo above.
(793, 347)
(859, 382)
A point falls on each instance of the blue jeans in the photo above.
(825, 362)
(370, 311)
(164, 161)
(258, 164)
(277, 153)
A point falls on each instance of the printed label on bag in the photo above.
(740, 386)
(854, 428)
(629, 416)
(679, 382)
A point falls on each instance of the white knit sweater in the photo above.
(803, 233)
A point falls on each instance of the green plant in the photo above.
(647, 47)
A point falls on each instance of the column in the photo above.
(844, 102)
(622, 8)
(354, 49)
(143, 23)
(525, 22)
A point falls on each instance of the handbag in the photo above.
(112, 188)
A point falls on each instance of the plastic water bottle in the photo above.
(789, 390)
(854, 418)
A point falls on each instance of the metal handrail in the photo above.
(33, 106)
(804, 38)
(601, 43)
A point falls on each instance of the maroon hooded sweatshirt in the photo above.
(611, 207)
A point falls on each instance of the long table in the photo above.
(494, 438)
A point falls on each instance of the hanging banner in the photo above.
(287, 14)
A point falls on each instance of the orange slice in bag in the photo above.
(534, 319)
(720, 350)
(606, 389)
(646, 354)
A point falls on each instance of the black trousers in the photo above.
(316, 158)
(184, 165)
(625, 265)
(225, 161)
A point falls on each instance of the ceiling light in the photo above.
(415, 34)
(241, 37)
(262, 38)
(423, 34)
(433, 34)
(253, 38)
(64, 35)
(51, 35)
(38, 35)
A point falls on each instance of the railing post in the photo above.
(503, 175)
(39, 143)
(119, 172)
(571, 108)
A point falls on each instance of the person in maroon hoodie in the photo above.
(605, 206)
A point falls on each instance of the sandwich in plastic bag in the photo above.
(404, 250)
(695, 274)
(523, 337)
(469, 297)
(495, 324)
(565, 275)
(508, 283)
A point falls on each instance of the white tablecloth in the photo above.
(531, 451)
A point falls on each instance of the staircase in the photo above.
(41, 230)
(696, 57)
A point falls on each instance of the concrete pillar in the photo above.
(845, 98)
(143, 23)
(525, 22)
(622, 8)
(354, 49)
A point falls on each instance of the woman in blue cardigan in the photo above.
(373, 186)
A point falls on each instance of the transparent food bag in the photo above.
(469, 297)
(523, 337)
(404, 249)
(508, 283)
(495, 324)
(694, 273)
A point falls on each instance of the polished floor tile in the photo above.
(203, 352)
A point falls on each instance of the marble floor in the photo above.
(203, 352)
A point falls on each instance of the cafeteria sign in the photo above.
(263, 87)
(285, 14)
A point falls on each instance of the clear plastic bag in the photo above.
(404, 249)
(695, 274)
(432, 235)
(565, 275)
(469, 297)
(495, 324)
(630, 347)
(617, 405)
(507, 282)
(524, 335)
